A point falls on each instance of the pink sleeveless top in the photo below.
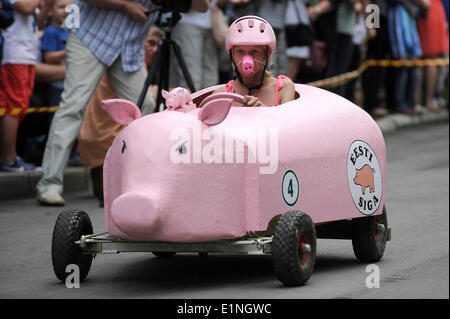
(230, 89)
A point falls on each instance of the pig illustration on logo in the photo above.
(364, 178)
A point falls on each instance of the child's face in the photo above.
(59, 13)
(258, 52)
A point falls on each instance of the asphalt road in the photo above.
(415, 264)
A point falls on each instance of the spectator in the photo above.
(194, 35)
(433, 35)
(341, 56)
(359, 35)
(17, 77)
(322, 15)
(33, 130)
(54, 47)
(242, 8)
(378, 49)
(54, 52)
(404, 45)
(273, 11)
(296, 13)
(110, 40)
(99, 130)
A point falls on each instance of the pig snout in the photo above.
(248, 64)
(135, 214)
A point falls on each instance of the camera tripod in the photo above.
(161, 62)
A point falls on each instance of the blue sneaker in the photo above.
(18, 165)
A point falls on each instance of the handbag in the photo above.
(317, 61)
(300, 34)
(219, 25)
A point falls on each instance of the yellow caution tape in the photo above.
(345, 77)
(19, 111)
(330, 82)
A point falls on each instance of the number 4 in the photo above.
(290, 189)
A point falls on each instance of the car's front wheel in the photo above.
(69, 227)
(294, 248)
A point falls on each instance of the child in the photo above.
(54, 47)
(17, 79)
(251, 42)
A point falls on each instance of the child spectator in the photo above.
(54, 47)
(17, 78)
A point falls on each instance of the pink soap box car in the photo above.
(207, 177)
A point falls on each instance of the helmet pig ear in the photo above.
(122, 111)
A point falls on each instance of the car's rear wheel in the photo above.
(294, 248)
(369, 237)
(69, 227)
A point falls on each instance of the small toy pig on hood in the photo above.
(178, 99)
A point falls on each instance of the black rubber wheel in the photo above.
(369, 236)
(294, 248)
(69, 227)
(164, 254)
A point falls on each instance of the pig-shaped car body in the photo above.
(219, 172)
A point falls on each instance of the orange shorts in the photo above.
(16, 87)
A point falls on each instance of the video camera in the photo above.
(173, 5)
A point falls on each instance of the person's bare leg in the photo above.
(8, 137)
(430, 78)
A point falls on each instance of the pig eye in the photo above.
(182, 148)
(124, 146)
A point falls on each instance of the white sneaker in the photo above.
(51, 197)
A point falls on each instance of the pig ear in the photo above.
(122, 111)
(164, 93)
(215, 111)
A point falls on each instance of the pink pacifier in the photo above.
(248, 64)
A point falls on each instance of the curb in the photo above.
(394, 122)
(23, 184)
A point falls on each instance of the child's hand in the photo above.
(252, 101)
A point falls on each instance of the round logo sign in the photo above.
(290, 188)
(364, 177)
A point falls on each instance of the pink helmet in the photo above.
(250, 30)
